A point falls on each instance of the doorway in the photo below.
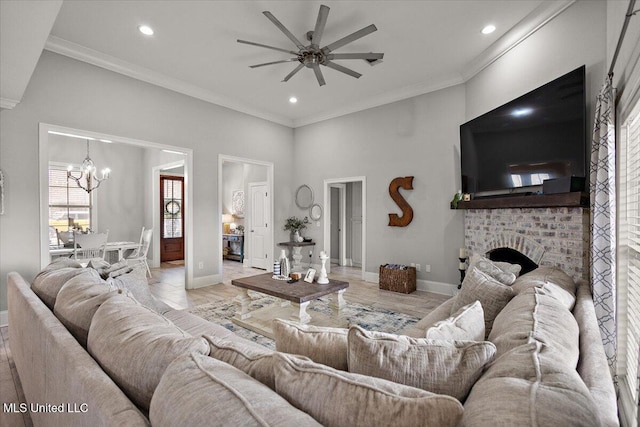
(253, 220)
(345, 223)
(156, 152)
(172, 218)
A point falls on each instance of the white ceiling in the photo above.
(427, 45)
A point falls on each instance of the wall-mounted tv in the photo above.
(540, 135)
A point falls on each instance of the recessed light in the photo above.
(146, 30)
(488, 29)
(293, 100)
(520, 112)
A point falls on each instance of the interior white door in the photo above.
(260, 225)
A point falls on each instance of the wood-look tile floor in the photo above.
(167, 285)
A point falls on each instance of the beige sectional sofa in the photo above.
(89, 353)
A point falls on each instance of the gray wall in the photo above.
(69, 93)
(418, 137)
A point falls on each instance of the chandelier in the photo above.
(88, 172)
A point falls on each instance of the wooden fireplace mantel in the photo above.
(575, 199)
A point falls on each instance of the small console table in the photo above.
(235, 244)
(296, 247)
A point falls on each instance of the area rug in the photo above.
(369, 318)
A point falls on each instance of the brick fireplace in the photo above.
(552, 236)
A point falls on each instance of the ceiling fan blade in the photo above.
(319, 76)
(370, 56)
(268, 47)
(283, 29)
(320, 24)
(274, 62)
(348, 39)
(342, 69)
(298, 68)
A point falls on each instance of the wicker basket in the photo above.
(398, 280)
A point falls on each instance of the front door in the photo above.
(171, 218)
(260, 222)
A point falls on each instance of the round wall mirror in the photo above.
(315, 212)
(304, 197)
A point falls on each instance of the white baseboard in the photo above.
(421, 285)
(201, 282)
(4, 318)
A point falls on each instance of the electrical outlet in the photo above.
(418, 267)
(427, 268)
(201, 265)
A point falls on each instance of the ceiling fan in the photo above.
(312, 56)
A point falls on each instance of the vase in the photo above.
(296, 237)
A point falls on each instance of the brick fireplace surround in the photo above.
(556, 236)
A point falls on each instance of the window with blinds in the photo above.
(69, 205)
(629, 262)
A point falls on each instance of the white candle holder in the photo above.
(323, 279)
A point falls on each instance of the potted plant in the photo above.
(294, 225)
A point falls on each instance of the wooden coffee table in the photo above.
(296, 298)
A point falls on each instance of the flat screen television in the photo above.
(540, 135)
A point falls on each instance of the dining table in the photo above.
(120, 247)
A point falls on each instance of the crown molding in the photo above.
(108, 62)
(531, 23)
(382, 99)
(7, 103)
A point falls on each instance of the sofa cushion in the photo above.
(552, 281)
(492, 294)
(444, 367)
(197, 390)
(134, 345)
(533, 314)
(78, 301)
(338, 398)
(321, 344)
(466, 324)
(526, 388)
(254, 360)
(49, 281)
(136, 283)
(504, 276)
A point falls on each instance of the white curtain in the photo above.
(603, 219)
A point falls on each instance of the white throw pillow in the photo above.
(443, 367)
(466, 324)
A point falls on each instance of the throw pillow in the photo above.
(338, 398)
(492, 294)
(252, 359)
(49, 281)
(508, 267)
(107, 270)
(136, 283)
(134, 345)
(442, 367)
(198, 390)
(488, 267)
(321, 344)
(78, 301)
(466, 324)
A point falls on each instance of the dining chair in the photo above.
(88, 247)
(65, 238)
(139, 255)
